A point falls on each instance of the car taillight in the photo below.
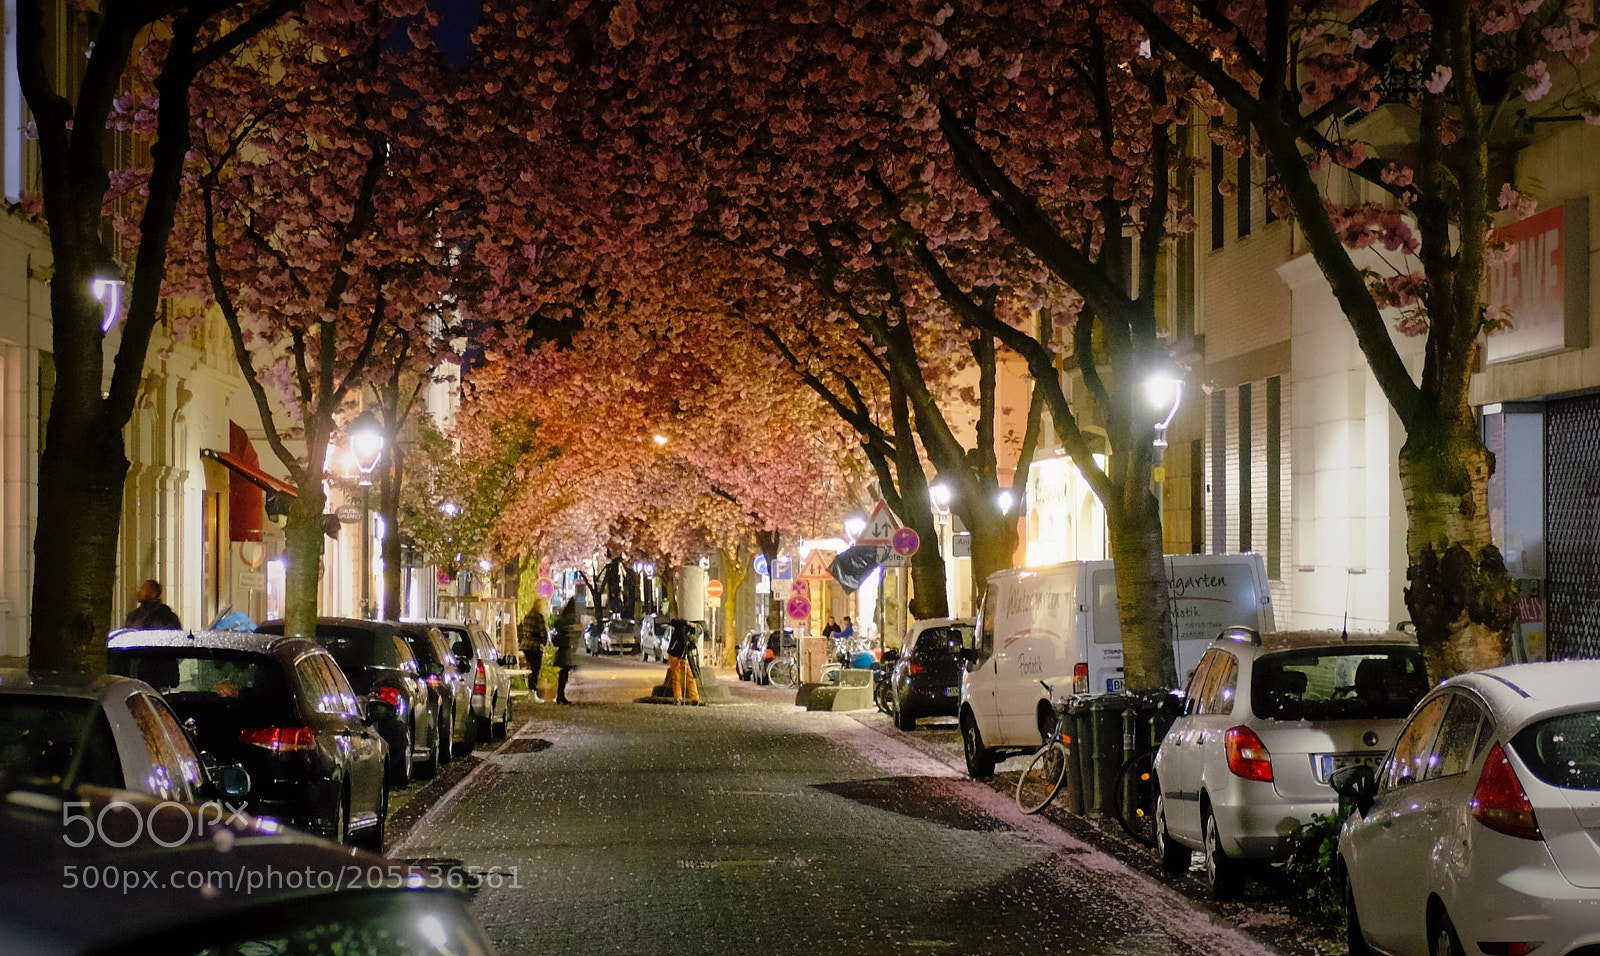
(280, 739)
(434, 681)
(390, 696)
(1500, 803)
(479, 683)
(1247, 755)
(1080, 678)
(916, 668)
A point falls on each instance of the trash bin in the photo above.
(1108, 730)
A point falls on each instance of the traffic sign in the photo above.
(799, 608)
(713, 603)
(881, 526)
(546, 588)
(816, 568)
(801, 588)
(760, 564)
(906, 542)
(444, 577)
(784, 570)
(714, 589)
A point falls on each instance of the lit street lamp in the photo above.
(366, 447)
(106, 288)
(1164, 391)
(854, 525)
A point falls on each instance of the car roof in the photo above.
(245, 641)
(1522, 693)
(1299, 640)
(30, 828)
(101, 687)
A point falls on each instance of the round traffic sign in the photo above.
(444, 577)
(799, 608)
(760, 564)
(801, 588)
(906, 542)
(546, 588)
(713, 589)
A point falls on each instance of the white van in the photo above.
(1058, 625)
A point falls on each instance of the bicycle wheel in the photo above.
(1136, 797)
(1046, 772)
(781, 671)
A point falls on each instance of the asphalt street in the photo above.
(614, 826)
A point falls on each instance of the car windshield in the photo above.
(207, 681)
(1338, 683)
(40, 735)
(940, 643)
(1563, 751)
(620, 627)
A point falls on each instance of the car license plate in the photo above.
(1333, 762)
(1114, 685)
(952, 692)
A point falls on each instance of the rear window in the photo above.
(940, 643)
(207, 679)
(1339, 683)
(1563, 751)
(40, 736)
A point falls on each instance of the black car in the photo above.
(926, 681)
(450, 692)
(282, 709)
(161, 880)
(379, 664)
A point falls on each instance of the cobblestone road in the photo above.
(621, 827)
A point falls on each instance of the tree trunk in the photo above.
(389, 508)
(768, 542)
(302, 577)
(75, 544)
(994, 544)
(1143, 606)
(1461, 596)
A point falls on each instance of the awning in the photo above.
(250, 472)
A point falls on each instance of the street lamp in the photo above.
(366, 447)
(660, 439)
(1004, 500)
(106, 288)
(854, 525)
(941, 495)
(1164, 392)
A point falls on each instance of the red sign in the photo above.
(546, 588)
(799, 608)
(1546, 298)
(713, 589)
(444, 577)
(906, 542)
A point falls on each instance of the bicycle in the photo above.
(784, 670)
(1047, 771)
(1136, 796)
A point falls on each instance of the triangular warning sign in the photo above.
(881, 526)
(816, 568)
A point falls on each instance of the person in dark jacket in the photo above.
(569, 636)
(532, 635)
(151, 614)
(678, 670)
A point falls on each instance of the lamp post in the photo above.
(1164, 391)
(366, 447)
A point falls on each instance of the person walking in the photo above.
(567, 638)
(151, 614)
(678, 670)
(532, 635)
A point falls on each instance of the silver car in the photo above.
(62, 731)
(479, 661)
(1267, 720)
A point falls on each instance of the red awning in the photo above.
(250, 472)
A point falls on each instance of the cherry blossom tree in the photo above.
(76, 114)
(1297, 73)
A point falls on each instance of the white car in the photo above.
(1267, 720)
(1479, 833)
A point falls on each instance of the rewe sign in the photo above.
(1545, 286)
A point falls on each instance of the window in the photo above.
(1246, 184)
(1563, 751)
(1409, 759)
(1458, 736)
(1274, 465)
(1107, 628)
(323, 689)
(167, 777)
(1219, 471)
(1222, 680)
(1197, 681)
(1219, 203)
(1246, 504)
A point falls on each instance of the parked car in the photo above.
(1058, 626)
(379, 663)
(620, 635)
(281, 708)
(1266, 721)
(774, 645)
(655, 634)
(234, 885)
(479, 660)
(926, 682)
(62, 731)
(747, 656)
(1477, 833)
(450, 692)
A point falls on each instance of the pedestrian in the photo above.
(532, 635)
(151, 614)
(678, 670)
(849, 629)
(831, 628)
(567, 637)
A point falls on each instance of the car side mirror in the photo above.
(234, 780)
(379, 710)
(1359, 785)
